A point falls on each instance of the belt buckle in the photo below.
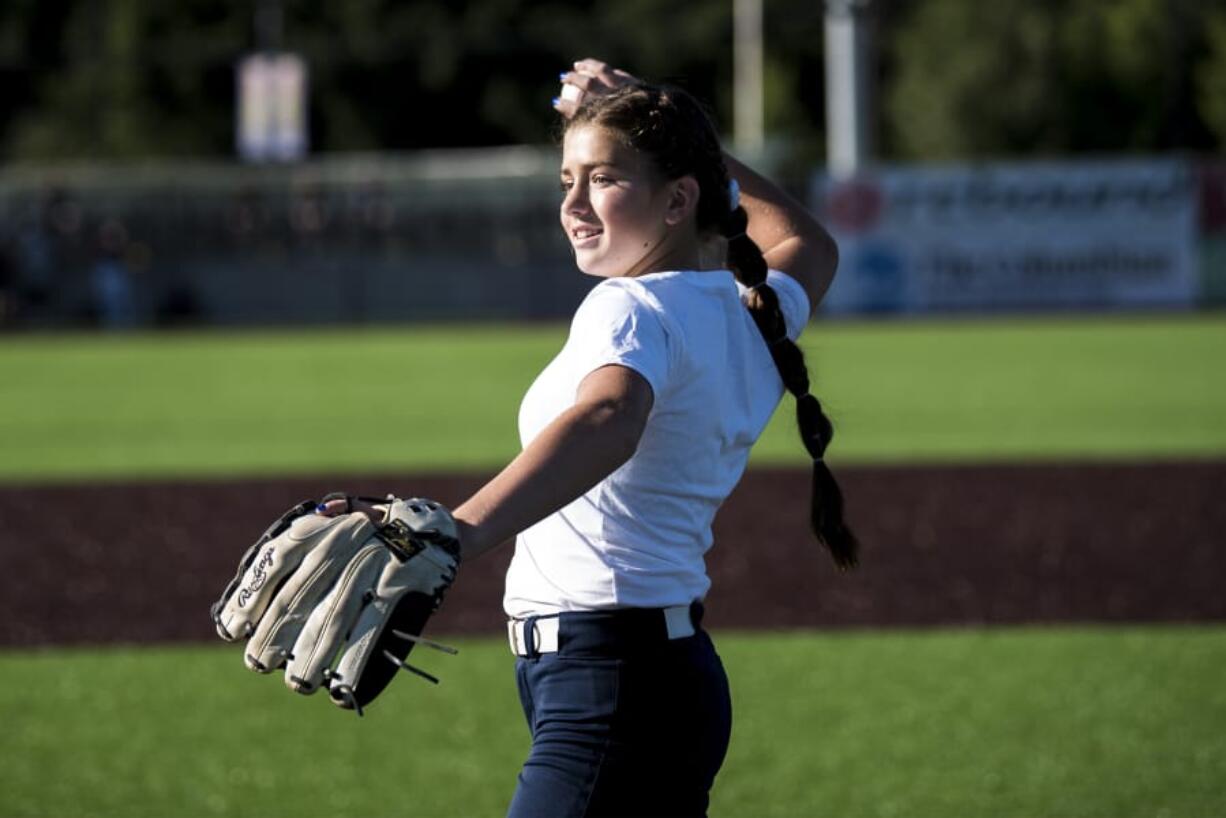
(679, 622)
(513, 630)
(524, 636)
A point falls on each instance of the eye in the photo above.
(565, 185)
(602, 179)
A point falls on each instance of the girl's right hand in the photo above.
(589, 77)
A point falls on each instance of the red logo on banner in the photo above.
(855, 206)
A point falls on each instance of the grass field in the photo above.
(446, 397)
(1113, 723)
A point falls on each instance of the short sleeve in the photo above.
(613, 326)
(793, 301)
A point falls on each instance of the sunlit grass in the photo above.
(1068, 722)
(446, 397)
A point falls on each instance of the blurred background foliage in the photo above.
(96, 79)
(1019, 77)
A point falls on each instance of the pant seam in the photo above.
(604, 752)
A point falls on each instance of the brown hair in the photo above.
(672, 128)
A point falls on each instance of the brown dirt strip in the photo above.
(141, 562)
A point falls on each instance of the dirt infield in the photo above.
(953, 545)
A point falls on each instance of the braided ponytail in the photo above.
(816, 430)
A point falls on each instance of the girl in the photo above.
(634, 435)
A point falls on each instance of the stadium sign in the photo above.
(1013, 236)
(271, 116)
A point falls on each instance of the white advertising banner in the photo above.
(271, 122)
(1013, 236)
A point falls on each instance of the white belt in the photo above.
(545, 630)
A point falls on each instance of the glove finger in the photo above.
(334, 545)
(332, 619)
(276, 528)
(406, 595)
(364, 669)
(275, 560)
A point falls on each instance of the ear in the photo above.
(682, 201)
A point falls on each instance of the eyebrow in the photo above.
(601, 164)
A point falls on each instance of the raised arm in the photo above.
(790, 238)
(576, 451)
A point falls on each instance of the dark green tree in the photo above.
(123, 78)
(957, 78)
(1048, 76)
(1211, 78)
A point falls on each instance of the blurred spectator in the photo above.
(110, 278)
(309, 213)
(37, 257)
(8, 283)
(247, 215)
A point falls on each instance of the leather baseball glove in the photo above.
(339, 601)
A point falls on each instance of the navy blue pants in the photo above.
(624, 721)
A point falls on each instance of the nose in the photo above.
(575, 202)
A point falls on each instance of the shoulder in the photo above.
(794, 300)
(621, 323)
(620, 309)
(627, 292)
(617, 299)
(677, 290)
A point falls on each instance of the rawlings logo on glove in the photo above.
(329, 594)
(260, 577)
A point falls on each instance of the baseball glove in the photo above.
(340, 601)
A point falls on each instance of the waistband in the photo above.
(622, 630)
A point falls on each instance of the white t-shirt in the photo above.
(637, 539)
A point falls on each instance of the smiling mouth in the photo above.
(581, 236)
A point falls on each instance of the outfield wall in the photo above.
(365, 239)
(473, 235)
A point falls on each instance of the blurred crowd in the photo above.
(60, 264)
(119, 259)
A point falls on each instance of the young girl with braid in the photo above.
(634, 435)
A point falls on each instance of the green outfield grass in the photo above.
(1026, 722)
(336, 401)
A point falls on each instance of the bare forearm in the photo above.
(575, 452)
(790, 238)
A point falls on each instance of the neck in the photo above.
(677, 253)
(713, 253)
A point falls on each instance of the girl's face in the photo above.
(618, 214)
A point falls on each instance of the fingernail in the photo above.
(562, 76)
(321, 508)
(555, 101)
